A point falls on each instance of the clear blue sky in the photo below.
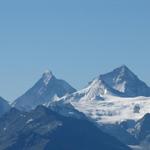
(77, 40)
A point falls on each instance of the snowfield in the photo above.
(114, 109)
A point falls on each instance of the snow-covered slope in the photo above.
(97, 90)
(47, 89)
(113, 97)
(114, 109)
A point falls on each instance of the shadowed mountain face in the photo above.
(4, 106)
(44, 129)
(46, 90)
(125, 81)
(142, 128)
(135, 133)
(142, 132)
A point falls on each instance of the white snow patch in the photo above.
(47, 76)
(114, 109)
(30, 120)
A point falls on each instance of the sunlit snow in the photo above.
(114, 109)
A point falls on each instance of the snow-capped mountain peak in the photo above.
(118, 78)
(95, 91)
(123, 80)
(46, 90)
(123, 72)
(98, 89)
(47, 76)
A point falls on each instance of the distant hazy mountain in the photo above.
(4, 106)
(44, 129)
(47, 89)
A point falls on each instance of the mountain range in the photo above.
(117, 103)
(121, 82)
